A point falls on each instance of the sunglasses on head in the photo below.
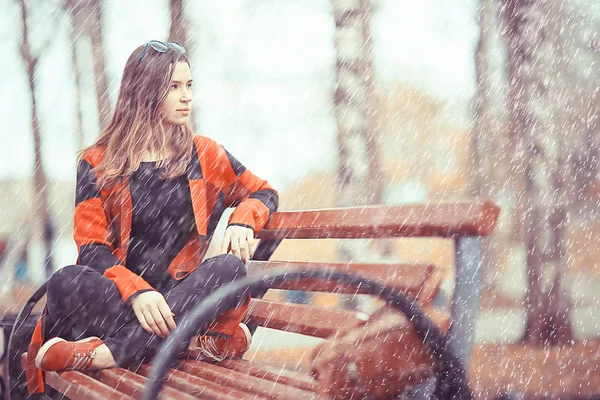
(162, 47)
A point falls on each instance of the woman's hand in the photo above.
(239, 240)
(153, 313)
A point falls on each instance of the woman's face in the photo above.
(178, 104)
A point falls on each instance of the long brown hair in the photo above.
(136, 124)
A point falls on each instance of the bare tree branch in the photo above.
(41, 205)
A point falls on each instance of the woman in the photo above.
(149, 195)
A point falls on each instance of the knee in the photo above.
(228, 267)
(63, 279)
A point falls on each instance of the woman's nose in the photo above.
(186, 96)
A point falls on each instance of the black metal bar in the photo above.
(265, 249)
(13, 363)
(263, 252)
(452, 381)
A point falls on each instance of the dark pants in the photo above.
(81, 302)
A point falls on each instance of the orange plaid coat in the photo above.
(102, 222)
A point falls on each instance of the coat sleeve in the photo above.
(91, 235)
(255, 200)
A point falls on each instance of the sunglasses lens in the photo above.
(177, 47)
(158, 46)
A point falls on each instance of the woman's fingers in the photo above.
(235, 245)
(166, 313)
(226, 242)
(239, 239)
(150, 320)
(142, 321)
(250, 238)
(153, 313)
(160, 321)
(244, 248)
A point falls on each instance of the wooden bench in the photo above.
(464, 222)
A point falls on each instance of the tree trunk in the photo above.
(478, 172)
(360, 177)
(87, 19)
(178, 32)
(579, 88)
(537, 153)
(76, 31)
(483, 179)
(95, 32)
(41, 202)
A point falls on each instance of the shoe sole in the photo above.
(248, 335)
(44, 349)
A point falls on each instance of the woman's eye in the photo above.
(190, 85)
(173, 86)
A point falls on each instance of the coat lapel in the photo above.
(198, 192)
(124, 216)
(199, 203)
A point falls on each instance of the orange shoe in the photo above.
(218, 347)
(57, 354)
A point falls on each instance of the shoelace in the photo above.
(208, 348)
(83, 359)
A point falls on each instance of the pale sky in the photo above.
(263, 73)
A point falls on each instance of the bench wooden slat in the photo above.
(446, 219)
(264, 371)
(421, 281)
(134, 384)
(317, 321)
(301, 318)
(244, 382)
(78, 386)
(199, 387)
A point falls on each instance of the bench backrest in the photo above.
(419, 281)
(467, 218)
